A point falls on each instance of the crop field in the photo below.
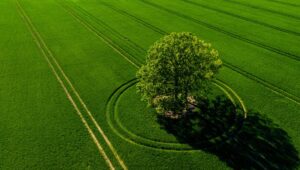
(67, 83)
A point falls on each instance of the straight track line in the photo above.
(266, 84)
(284, 3)
(263, 9)
(121, 162)
(244, 73)
(242, 103)
(108, 28)
(95, 32)
(40, 43)
(220, 30)
(242, 18)
(138, 50)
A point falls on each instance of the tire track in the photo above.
(234, 68)
(41, 45)
(149, 144)
(125, 134)
(284, 3)
(227, 64)
(154, 28)
(108, 28)
(270, 86)
(49, 56)
(230, 34)
(146, 24)
(101, 36)
(243, 18)
(109, 103)
(263, 9)
(138, 49)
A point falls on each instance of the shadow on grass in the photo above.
(253, 143)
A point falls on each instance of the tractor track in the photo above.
(263, 9)
(69, 88)
(49, 59)
(251, 76)
(220, 30)
(284, 3)
(242, 18)
(131, 137)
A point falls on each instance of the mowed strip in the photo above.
(47, 54)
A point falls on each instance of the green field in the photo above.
(67, 83)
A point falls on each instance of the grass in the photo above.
(95, 46)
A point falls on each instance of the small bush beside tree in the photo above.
(178, 72)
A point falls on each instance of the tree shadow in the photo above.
(218, 127)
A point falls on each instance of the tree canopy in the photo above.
(179, 68)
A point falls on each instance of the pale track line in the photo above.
(83, 104)
(121, 162)
(38, 42)
(133, 138)
(236, 95)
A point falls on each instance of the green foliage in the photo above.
(178, 66)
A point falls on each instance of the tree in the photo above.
(179, 68)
